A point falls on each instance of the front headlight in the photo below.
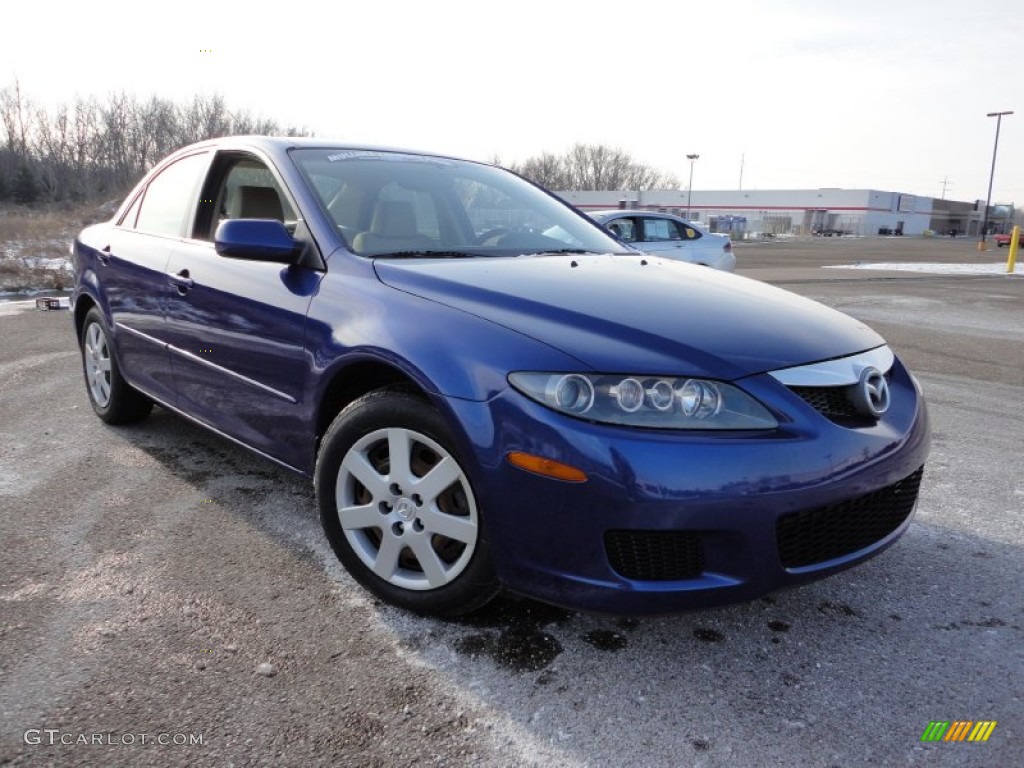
(661, 402)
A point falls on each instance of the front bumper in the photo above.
(724, 516)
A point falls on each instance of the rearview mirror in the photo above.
(255, 239)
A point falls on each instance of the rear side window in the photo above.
(666, 229)
(660, 229)
(170, 196)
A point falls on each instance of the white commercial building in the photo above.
(754, 213)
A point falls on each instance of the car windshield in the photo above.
(393, 204)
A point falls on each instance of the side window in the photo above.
(689, 233)
(656, 230)
(241, 188)
(169, 197)
(624, 229)
(252, 192)
(128, 220)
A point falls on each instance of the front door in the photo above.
(237, 327)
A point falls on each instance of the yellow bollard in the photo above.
(1011, 260)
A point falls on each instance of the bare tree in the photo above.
(91, 149)
(592, 167)
(15, 114)
(546, 169)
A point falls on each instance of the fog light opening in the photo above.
(538, 465)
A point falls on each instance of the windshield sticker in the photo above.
(397, 157)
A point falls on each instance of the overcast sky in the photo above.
(805, 93)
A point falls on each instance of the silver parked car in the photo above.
(662, 234)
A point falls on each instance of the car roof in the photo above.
(608, 213)
(633, 212)
(278, 144)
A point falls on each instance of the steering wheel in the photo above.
(483, 238)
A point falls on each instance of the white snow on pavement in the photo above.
(995, 268)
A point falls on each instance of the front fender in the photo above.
(457, 354)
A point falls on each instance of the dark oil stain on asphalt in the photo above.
(507, 612)
(519, 644)
(708, 635)
(605, 640)
(989, 623)
(840, 608)
(521, 649)
(789, 679)
(778, 626)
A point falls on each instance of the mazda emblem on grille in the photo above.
(871, 393)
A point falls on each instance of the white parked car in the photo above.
(662, 234)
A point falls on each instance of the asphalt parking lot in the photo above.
(158, 584)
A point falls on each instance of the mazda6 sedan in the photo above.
(483, 405)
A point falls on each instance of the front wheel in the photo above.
(112, 398)
(398, 507)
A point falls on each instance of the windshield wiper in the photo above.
(425, 255)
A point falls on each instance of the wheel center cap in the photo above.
(405, 508)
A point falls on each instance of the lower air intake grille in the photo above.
(817, 535)
(655, 555)
(831, 402)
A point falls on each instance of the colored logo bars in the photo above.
(958, 730)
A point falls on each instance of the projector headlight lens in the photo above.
(644, 401)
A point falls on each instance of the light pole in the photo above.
(689, 189)
(984, 225)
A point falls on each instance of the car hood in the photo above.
(637, 314)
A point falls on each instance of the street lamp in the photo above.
(689, 189)
(984, 226)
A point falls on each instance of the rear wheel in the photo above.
(398, 508)
(112, 398)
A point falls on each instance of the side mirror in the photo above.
(256, 240)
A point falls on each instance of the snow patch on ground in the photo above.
(995, 268)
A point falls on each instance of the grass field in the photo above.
(34, 245)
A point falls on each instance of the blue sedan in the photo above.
(487, 391)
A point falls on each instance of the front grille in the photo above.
(831, 402)
(817, 535)
(655, 555)
(835, 403)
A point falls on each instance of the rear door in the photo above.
(670, 238)
(236, 327)
(132, 272)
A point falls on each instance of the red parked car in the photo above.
(1002, 240)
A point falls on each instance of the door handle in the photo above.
(181, 281)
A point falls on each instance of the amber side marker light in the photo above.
(546, 467)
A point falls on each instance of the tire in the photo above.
(112, 398)
(412, 535)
